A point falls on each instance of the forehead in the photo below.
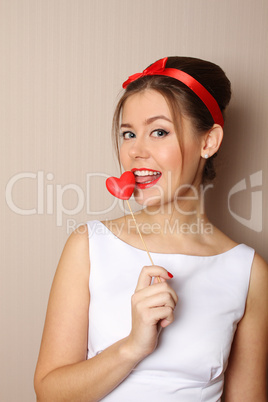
(145, 104)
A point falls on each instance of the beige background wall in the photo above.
(61, 69)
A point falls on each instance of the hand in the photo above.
(152, 305)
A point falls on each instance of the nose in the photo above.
(138, 149)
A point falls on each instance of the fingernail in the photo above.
(170, 275)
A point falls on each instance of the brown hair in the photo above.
(181, 99)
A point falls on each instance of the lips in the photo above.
(145, 177)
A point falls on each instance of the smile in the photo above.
(146, 178)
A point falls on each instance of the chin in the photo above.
(145, 200)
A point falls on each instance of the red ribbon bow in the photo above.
(159, 68)
(156, 68)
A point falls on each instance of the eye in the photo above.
(159, 133)
(127, 135)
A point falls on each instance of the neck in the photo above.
(187, 217)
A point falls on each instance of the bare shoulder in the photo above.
(219, 241)
(64, 338)
(260, 265)
(75, 255)
(78, 239)
(74, 262)
(246, 372)
(258, 288)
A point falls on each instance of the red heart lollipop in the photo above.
(123, 187)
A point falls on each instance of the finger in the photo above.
(156, 279)
(163, 299)
(155, 295)
(164, 315)
(166, 322)
(159, 288)
(149, 272)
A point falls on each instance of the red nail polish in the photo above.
(170, 275)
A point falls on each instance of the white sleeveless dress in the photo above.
(189, 362)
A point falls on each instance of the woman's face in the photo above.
(150, 149)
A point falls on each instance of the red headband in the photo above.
(158, 68)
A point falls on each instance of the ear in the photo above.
(211, 141)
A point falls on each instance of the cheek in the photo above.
(172, 159)
(122, 156)
(191, 162)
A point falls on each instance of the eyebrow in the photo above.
(149, 120)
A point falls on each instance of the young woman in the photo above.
(121, 329)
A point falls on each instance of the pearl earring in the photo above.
(206, 156)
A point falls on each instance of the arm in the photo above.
(245, 379)
(63, 373)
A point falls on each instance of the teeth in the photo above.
(145, 173)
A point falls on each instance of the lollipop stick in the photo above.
(149, 255)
